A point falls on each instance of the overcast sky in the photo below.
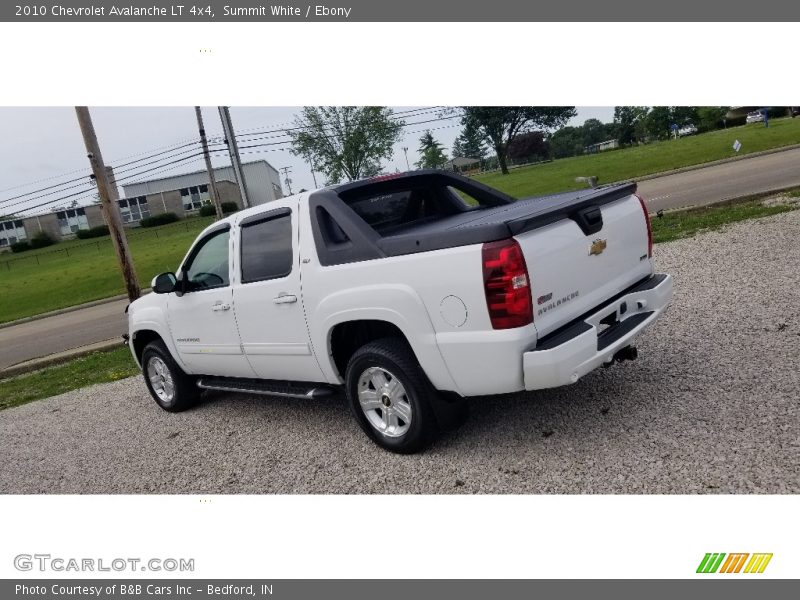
(41, 147)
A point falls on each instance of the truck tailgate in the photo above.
(574, 266)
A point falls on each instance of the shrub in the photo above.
(41, 240)
(229, 207)
(207, 210)
(20, 246)
(161, 219)
(99, 231)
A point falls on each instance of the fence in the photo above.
(97, 245)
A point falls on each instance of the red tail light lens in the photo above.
(649, 226)
(506, 283)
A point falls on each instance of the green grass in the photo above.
(686, 223)
(86, 270)
(98, 367)
(630, 163)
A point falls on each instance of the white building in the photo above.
(262, 179)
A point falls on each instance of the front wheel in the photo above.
(390, 396)
(171, 388)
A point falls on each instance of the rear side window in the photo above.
(387, 212)
(267, 249)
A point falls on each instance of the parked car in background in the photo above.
(688, 129)
(755, 117)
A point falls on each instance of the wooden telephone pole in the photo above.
(212, 183)
(110, 211)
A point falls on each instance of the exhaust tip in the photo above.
(627, 353)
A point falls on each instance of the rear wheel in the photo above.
(390, 396)
(170, 387)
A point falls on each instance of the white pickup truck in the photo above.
(408, 292)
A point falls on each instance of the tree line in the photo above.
(349, 142)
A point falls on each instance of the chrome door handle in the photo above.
(285, 299)
(220, 306)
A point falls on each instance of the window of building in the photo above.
(133, 210)
(12, 232)
(194, 197)
(72, 220)
(267, 249)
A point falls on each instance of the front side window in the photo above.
(267, 249)
(208, 267)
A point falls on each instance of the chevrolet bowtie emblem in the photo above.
(597, 247)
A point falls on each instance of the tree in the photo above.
(684, 115)
(528, 146)
(567, 141)
(499, 125)
(594, 132)
(345, 141)
(630, 123)
(710, 117)
(658, 122)
(430, 151)
(470, 143)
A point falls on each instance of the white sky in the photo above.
(40, 147)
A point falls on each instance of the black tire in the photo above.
(394, 356)
(186, 391)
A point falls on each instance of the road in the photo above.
(710, 407)
(43, 337)
(724, 181)
(702, 186)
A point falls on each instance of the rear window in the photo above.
(387, 213)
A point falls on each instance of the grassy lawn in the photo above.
(686, 223)
(98, 367)
(79, 271)
(630, 163)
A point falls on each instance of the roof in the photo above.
(462, 161)
(196, 172)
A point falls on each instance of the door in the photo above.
(202, 321)
(267, 300)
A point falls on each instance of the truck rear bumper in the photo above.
(568, 354)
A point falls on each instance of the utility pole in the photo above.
(313, 175)
(287, 181)
(233, 149)
(110, 211)
(405, 151)
(212, 184)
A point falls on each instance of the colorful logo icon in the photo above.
(734, 563)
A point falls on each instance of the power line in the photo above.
(160, 168)
(60, 185)
(4, 203)
(171, 148)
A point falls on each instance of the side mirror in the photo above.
(164, 283)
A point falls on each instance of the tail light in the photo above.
(505, 281)
(649, 226)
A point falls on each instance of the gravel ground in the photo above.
(711, 406)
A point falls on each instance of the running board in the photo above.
(284, 389)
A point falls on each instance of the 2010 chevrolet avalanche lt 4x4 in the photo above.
(409, 292)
